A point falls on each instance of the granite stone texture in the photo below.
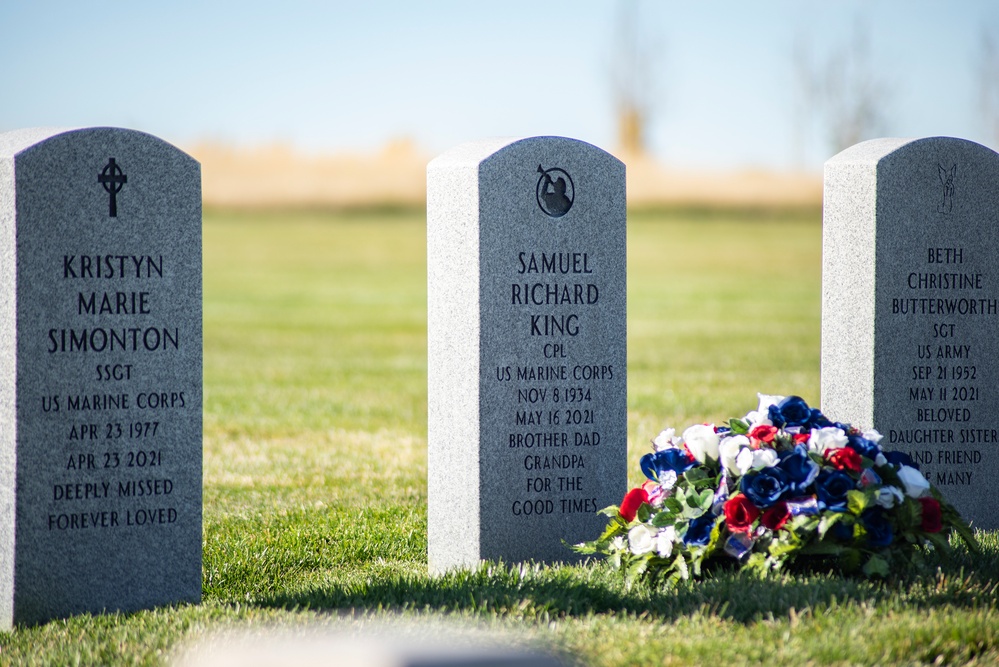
(527, 349)
(100, 373)
(910, 307)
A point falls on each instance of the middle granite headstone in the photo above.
(527, 407)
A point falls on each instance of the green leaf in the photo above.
(783, 441)
(637, 567)
(680, 495)
(707, 483)
(695, 474)
(778, 549)
(680, 564)
(824, 548)
(738, 426)
(856, 502)
(644, 512)
(804, 524)
(715, 536)
(611, 511)
(697, 555)
(673, 579)
(673, 505)
(705, 499)
(692, 512)
(964, 530)
(757, 562)
(663, 519)
(691, 503)
(909, 514)
(617, 526)
(876, 565)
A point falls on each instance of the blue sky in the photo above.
(329, 76)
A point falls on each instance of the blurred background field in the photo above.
(315, 458)
(316, 322)
(280, 177)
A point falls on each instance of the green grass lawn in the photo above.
(315, 458)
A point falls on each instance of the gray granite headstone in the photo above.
(100, 373)
(527, 424)
(910, 307)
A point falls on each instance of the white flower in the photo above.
(889, 496)
(735, 454)
(665, 540)
(617, 544)
(667, 480)
(756, 418)
(665, 440)
(702, 441)
(761, 415)
(642, 539)
(766, 400)
(764, 458)
(872, 435)
(915, 484)
(829, 437)
(880, 460)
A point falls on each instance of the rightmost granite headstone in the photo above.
(910, 307)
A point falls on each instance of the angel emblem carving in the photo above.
(947, 177)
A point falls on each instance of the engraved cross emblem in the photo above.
(947, 177)
(112, 178)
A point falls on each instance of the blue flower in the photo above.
(800, 470)
(699, 531)
(764, 487)
(792, 411)
(677, 460)
(816, 420)
(879, 530)
(842, 531)
(863, 446)
(899, 459)
(831, 486)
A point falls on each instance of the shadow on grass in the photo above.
(543, 593)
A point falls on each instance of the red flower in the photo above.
(844, 458)
(740, 513)
(762, 433)
(932, 518)
(632, 501)
(801, 438)
(776, 516)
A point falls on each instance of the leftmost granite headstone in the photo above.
(100, 373)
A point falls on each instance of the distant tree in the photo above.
(844, 92)
(632, 79)
(805, 99)
(854, 95)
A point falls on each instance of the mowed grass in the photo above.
(315, 459)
